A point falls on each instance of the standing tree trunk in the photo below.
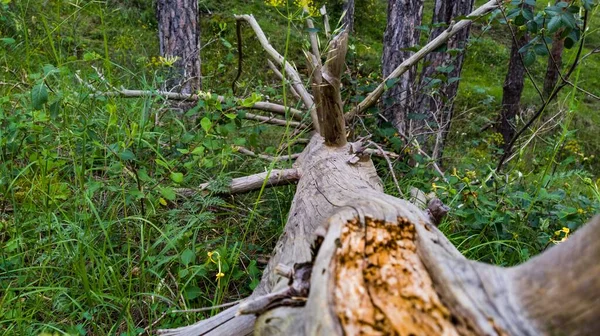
(554, 64)
(179, 37)
(349, 15)
(437, 107)
(404, 16)
(512, 90)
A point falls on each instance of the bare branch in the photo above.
(263, 106)
(289, 69)
(276, 177)
(267, 157)
(274, 121)
(280, 75)
(323, 11)
(374, 96)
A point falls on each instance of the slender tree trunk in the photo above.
(554, 64)
(512, 90)
(349, 17)
(437, 107)
(404, 16)
(179, 36)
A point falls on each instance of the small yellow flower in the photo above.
(274, 3)
(220, 275)
(580, 211)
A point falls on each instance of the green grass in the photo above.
(93, 239)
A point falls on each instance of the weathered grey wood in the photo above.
(239, 185)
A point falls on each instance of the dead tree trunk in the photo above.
(349, 15)
(512, 90)
(353, 260)
(436, 104)
(403, 18)
(179, 37)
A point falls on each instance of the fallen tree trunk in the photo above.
(382, 267)
(353, 260)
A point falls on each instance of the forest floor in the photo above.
(95, 240)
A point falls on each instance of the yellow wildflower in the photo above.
(220, 275)
(274, 3)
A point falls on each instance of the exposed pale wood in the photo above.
(373, 97)
(392, 270)
(264, 106)
(331, 109)
(267, 157)
(239, 185)
(323, 12)
(274, 121)
(559, 290)
(290, 71)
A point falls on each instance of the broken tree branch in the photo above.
(296, 81)
(374, 96)
(263, 106)
(274, 121)
(267, 157)
(280, 76)
(239, 185)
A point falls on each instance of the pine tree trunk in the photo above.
(349, 17)
(437, 108)
(404, 16)
(179, 36)
(554, 65)
(512, 90)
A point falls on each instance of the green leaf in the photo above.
(39, 96)
(187, 256)
(127, 155)
(555, 24)
(198, 150)
(231, 115)
(529, 58)
(540, 49)
(192, 292)
(177, 177)
(168, 193)
(206, 124)
(7, 40)
(445, 69)
(391, 82)
(569, 43)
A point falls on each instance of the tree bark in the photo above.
(353, 260)
(179, 36)
(554, 65)
(403, 18)
(437, 108)
(379, 266)
(349, 16)
(512, 90)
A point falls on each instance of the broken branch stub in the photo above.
(331, 109)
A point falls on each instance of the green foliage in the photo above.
(95, 237)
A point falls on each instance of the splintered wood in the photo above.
(382, 287)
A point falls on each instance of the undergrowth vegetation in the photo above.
(96, 240)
